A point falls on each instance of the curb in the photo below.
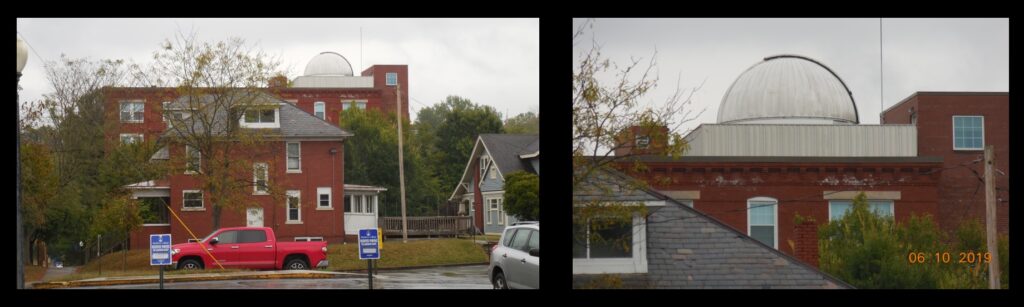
(172, 279)
(415, 267)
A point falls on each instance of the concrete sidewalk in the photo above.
(108, 281)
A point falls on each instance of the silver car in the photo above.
(515, 260)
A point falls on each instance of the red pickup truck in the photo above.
(248, 248)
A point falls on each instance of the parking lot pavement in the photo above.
(455, 277)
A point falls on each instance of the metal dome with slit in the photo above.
(788, 89)
(328, 64)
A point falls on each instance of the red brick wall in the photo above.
(478, 197)
(317, 172)
(961, 194)
(806, 243)
(388, 93)
(139, 239)
(798, 187)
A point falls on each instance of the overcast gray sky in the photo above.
(919, 54)
(490, 61)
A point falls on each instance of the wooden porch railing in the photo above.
(427, 225)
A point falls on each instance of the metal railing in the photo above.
(427, 225)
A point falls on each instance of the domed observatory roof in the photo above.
(328, 64)
(331, 70)
(788, 89)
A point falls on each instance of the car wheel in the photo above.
(499, 281)
(190, 264)
(296, 264)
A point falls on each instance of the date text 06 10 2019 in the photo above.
(969, 257)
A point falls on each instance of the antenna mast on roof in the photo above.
(360, 50)
(881, 74)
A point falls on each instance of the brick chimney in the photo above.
(807, 242)
(639, 140)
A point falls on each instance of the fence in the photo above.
(427, 225)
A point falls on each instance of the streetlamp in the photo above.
(22, 58)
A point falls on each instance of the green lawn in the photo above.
(396, 254)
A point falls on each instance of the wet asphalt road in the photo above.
(456, 277)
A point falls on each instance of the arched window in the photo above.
(318, 110)
(762, 220)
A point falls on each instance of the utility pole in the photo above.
(990, 217)
(401, 163)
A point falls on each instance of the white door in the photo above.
(254, 217)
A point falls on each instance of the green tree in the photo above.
(463, 122)
(526, 123)
(371, 157)
(216, 83)
(522, 198)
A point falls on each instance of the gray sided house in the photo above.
(674, 246)
(480, 192)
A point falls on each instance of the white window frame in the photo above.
(371, 206)
(202, 201)
(357, 203)
(635, 264)
(388, 78)
(276, 124)
(321, 191)
(359, 103)
(493, 171)
(775, 215)
(485, 164)
(131, 120)
(645, 144)
(287, 206)
(188, 160)
(323, 110)
(141, 138)
(287, 168)
(255, 178)
(892, 206)
(982, 148)
(491, 208)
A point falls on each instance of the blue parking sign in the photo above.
(160, 249)
(368, 248)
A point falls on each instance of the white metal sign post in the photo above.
(369, 249)
(160, 253)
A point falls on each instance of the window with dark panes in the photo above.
(252, 236)
(613, 240)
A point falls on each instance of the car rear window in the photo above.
(520, 240)
(252, 236)
(534, 241)
(507, 237)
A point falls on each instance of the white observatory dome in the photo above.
(788, 89)
(328, 64)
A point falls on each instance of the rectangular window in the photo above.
(501, 212)
(294, 208)
(192, 199)
(494, 171)
(371, 203)
(485, 164)
(391, 79)
(838, 208)
(260, 175)
(761, 221)
(642, 141)
(361, 104)
(294, 152)
(132, 112)
(153, 210)
(260, 116)
(610, 240)
(131, 138)
(492, 210)
(358, 203)
(323, 197)
(968, 132)
(193, 159)
(348, 203)
(318, 109)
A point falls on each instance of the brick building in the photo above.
(305, 156)
(789, 143)
(956, 126)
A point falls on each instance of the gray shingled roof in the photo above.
(295, 123)
(506, 148)
(687, 249)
